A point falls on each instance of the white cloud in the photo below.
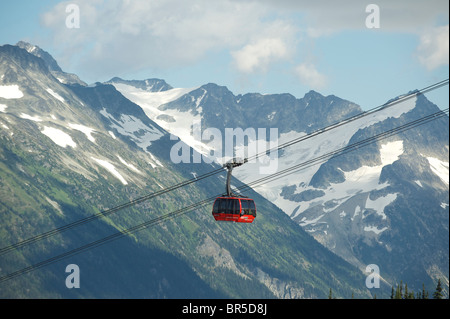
(433, 49)
(309, 76)
(120, 36)
(329, 16)
(258, 55)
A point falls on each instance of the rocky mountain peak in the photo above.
(44, 55)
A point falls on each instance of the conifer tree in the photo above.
(398, 292)
(438, 293)
(424, 293)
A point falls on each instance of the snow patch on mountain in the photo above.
(375, 229)
(199, 100)
(182, 128)
(130, 166)
(305, 222)
(55, 95)
(31, 118)
(363, 179)
(55, 205)
(59, 137)
(10, 91)
(111, 133)
(180, 122)
(440, 168)
(150, 101)
(3, 108)
(133, 127)
(356, 212)
(390, 152)
(380, 203)
(84, 129)
(155, 162)
(112, 169)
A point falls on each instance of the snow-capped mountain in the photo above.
(385, 204)
(68, 151)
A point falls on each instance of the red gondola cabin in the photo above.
(234, 209)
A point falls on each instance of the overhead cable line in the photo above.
(265, 179)
(105, 213)
(136, 201)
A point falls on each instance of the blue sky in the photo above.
(284, 46)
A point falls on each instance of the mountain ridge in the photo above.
(308, 200)
(78, 154)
